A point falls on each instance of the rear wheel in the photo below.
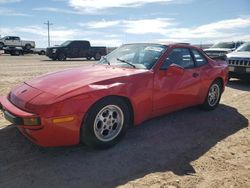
(27, 47)
(213, 96)
(42, 53)
(105, 123)
(88, 58)
(97, 56)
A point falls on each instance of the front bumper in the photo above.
(47, 134)
(239, 72)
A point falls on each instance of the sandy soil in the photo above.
(189, 148)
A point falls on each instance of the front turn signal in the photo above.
(63, 119)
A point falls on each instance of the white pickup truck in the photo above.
(13, 41)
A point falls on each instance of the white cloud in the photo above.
(106, 42)
(225, 29)
(9, 1)
(57, 10)
(92, 5)
(11, 12)
(58, 35)
(145, 26)
(100, 24)
(165, 29)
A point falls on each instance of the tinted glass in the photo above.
(66, 43)
(200, 59)
(244, 47)
(224, 45)
(179, 56)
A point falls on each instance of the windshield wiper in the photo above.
(105, 58)
(124, 61)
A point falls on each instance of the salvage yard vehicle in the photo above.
(39, 51)
(221, 49)
(75, 49)
(239, 62)
(13, 41)
(96, 104)
(13, 51)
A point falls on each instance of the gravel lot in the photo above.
(189, 148)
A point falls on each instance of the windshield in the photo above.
(224, 45)
(244, 47)
(141, 56)
(66, 43)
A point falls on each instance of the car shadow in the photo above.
(243, 85)
(167, 143)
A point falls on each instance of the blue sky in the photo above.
(114, 22)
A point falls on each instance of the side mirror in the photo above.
(175, 69)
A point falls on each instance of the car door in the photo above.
(83, 48)
(177, 83)
(74, 49)
(17, 41)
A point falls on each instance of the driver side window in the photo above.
(179, 56)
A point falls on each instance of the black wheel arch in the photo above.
(220, 80)
(125, 99)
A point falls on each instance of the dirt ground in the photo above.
(189, 148)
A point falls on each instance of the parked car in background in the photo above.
(39, 51)
(13, 41)
(96, 104)
(221, 49)
(239, 62)
(75, 49)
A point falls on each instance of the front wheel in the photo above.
(61, 57)
(105, 123)
(213, 96)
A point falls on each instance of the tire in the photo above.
(42, 53)
(213, 96)
(27, 47)
(97, 56)
(88, 58)
(105, 123)
(1, 45)
(15, 53)
(61, 57)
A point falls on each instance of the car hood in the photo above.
(218, 49)
(238, 55)
(62, 82)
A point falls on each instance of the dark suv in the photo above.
(75, 49)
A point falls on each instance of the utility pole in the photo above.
(48, 25)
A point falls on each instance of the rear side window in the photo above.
(84, 45)
(179, 56)
(200, 59)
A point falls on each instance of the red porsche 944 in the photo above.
(96, 104)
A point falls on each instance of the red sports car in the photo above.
(96, 104)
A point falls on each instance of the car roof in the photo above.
(184, 45)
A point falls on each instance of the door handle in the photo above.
(195, 75)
